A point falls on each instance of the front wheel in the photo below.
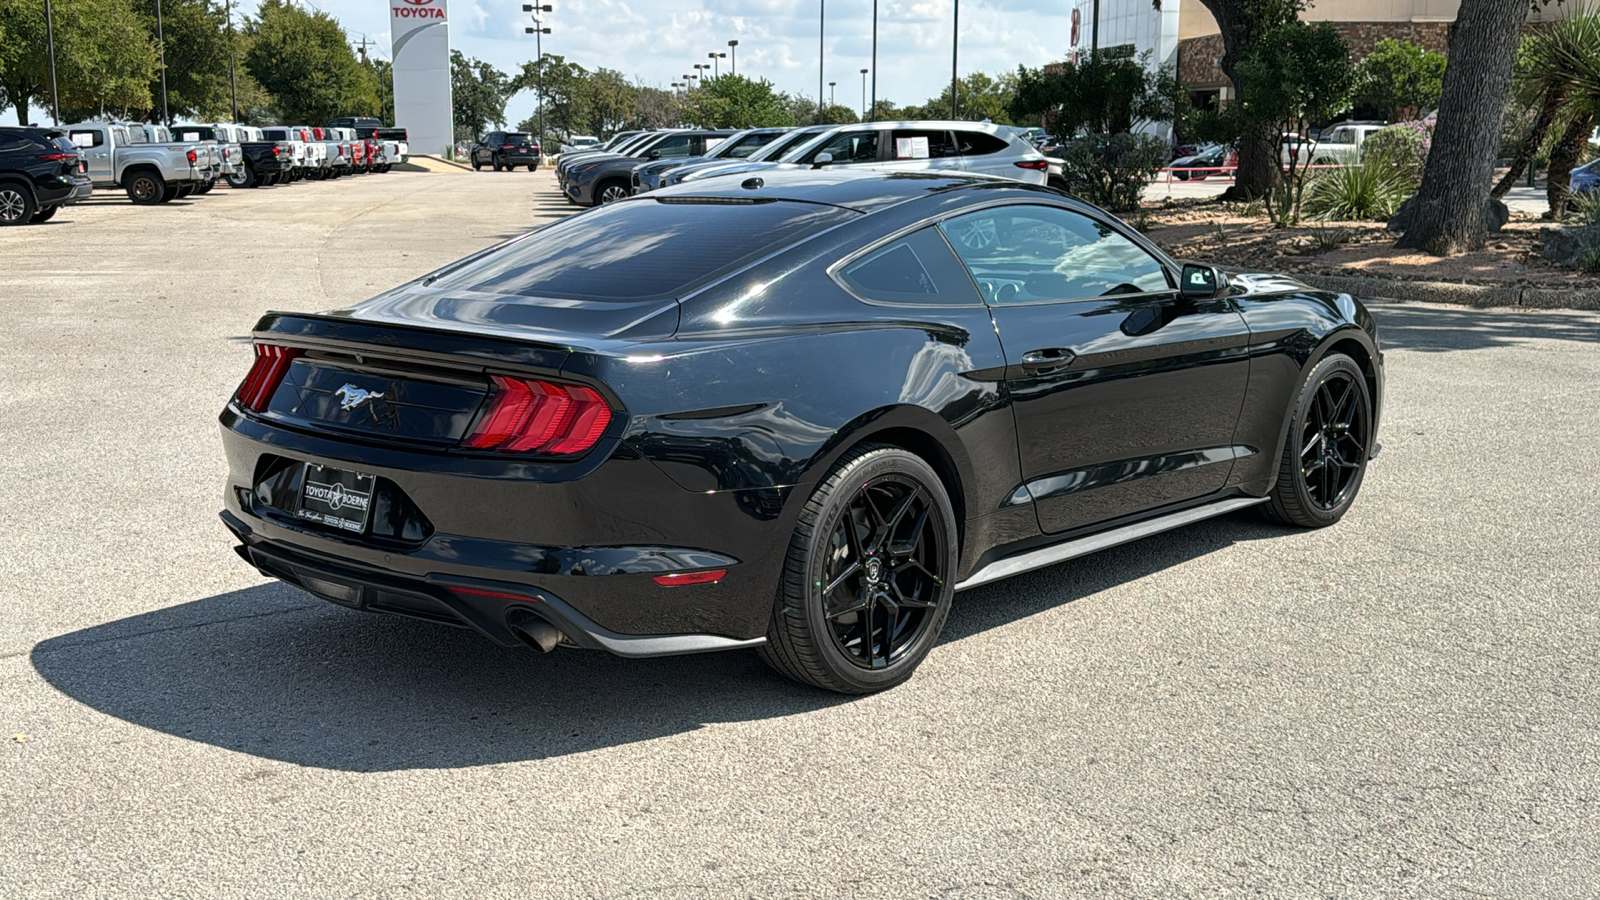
(611, 192)
(45, 215)
(1325, 452)
(869, 577)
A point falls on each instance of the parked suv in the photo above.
(607, 178)
(40, 171)
(507, 149)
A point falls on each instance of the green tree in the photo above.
(304, 61)
(980, 97)
(1558, 72)
(656, 108)
(613, 100)
(1108, 94)
(196, 33)
(1399, 79)
(105, 58)
(734, 101)
(566, 93)
(478, 91)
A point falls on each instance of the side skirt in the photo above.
(1055, 553)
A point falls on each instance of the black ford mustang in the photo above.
(796, 412)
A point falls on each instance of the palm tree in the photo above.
(1558, 68)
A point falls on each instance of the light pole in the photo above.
(55, 96)
(863, 95)
(233, 78)
(162, 39)
(538, 31)
(822, 30)
(955, 43)
(872, 111)
(733, 63)
(714, 57)
(830, 92)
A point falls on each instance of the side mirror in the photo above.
(653, 155)
(821, 159)
(1200, 282)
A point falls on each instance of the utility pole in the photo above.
(1094, 34)
(233, 78)
(161, 37)
(55, 95)
(362, 49)
(733, 63)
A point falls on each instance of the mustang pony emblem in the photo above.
(351, 396)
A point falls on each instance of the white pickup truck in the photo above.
(1339, 145)
(149, 172)
(301, 150)
(224, 136)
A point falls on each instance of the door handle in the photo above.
(1047, 360)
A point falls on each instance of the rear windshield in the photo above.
(641, 249)
(515, 138)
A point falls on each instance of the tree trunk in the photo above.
(1453, 199)
(1553, 99)
(1565, 155)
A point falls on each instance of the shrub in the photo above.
(1112, 170)
(1400, 150)
(1355, 194)
(1584, 208)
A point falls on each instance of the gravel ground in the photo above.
(1397, 706)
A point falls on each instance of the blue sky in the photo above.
(657, 41)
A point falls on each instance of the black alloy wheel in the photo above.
(869, 577)
(46, 214)
(1325, 452)
(612, 191)
(145, 188)
(16, 205)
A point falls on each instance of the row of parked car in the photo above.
(43, 169)
(633, 162)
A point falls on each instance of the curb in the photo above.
(1474, 295)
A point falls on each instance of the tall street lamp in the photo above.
(830, 92)
(233, 78)
(714, 57)
(538, 30)
(161, 38)
(55, 96)
(955, 43)
(822, 30)
(863, 95)
(873, 109)
(733, 64)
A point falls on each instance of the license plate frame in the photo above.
(336, 498)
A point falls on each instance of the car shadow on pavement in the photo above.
(273, 672)
(1442, 328)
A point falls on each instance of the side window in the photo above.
(848, 147)
(978, 143)
(916, 143)
(917, 268)
(87, 138)
(676, 147)
(1034, 254)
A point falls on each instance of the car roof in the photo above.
(860, 191)
(928, 124)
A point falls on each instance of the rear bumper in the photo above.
(492, 608)
(592, 535)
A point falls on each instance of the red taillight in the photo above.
(498, 595)
(509, 147)
(277, 151)
(540, 417)
(1038, 165)
(192, 157)
(682, 578)
(271, 362)
(57, 157)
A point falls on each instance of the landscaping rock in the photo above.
(1568, 245)
(1497, 214)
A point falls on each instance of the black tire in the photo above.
(533, 167)
(145, 188)
(1325, 450)
(46, 214)
(611, 191)
(807, 643)
(205, 187)
(241, 177)
(16, 205)
(170, 193)
(496, 160)
(476, 166)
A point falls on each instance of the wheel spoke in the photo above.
(1327, 485)
(861, 601)
(1315, 440)
(1324, 404)
(854, 567)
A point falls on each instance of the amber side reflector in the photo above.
(498, 595)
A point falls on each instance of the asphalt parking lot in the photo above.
(1401, 705)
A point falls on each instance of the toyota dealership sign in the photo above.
(419, 33)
